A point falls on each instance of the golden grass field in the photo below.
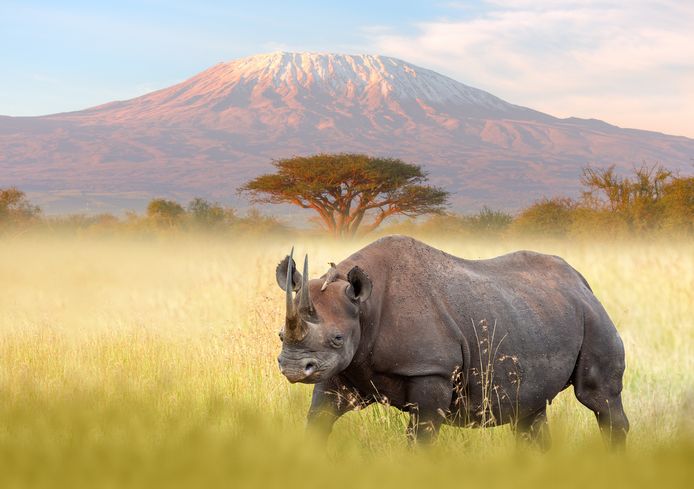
(152, 362)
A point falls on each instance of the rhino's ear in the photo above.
(281, 275)
(359, 285)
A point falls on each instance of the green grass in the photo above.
(143, 363)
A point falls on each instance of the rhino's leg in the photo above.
(331, 399)
(534, 429)
(609, 412)
(597, 377)
(428, 400)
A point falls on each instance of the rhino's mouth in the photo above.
(307, 371)
(303, 377)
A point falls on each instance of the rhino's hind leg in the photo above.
(608, 409)
(613, 422)
(533, 429)
(597, 380)
(609, 412)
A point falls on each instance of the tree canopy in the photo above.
(650, 198)
(344, 188)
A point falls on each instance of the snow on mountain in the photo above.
(208, 134)
(369, 81)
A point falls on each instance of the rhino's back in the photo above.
(410, 266)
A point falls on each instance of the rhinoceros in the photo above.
(464, 342)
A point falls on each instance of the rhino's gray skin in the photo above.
(437, 335)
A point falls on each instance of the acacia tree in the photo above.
(636, 199)
(605, 189)
(343, 188)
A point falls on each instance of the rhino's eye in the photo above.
(337, 341)
(281, 335)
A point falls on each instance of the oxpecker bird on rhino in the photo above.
(465, 342)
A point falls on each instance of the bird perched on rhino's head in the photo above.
(330, 276)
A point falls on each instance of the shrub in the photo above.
(547, 217)
(15, 208)
(166, 213)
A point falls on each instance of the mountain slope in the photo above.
(207, 135)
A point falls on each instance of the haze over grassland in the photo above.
(143, 361)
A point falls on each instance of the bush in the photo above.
(209, 215)
(15, 209)
(547, 217)
(488, 221)
(167, 213)
(677, 206)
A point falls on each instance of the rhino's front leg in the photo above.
(331, 399)
(428, 399)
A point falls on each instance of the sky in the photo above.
(630, 63)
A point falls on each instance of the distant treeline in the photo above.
(162, 217)
(650, 201)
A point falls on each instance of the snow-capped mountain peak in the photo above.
(323, 83)
(352, 75)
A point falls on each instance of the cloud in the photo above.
(626, 63)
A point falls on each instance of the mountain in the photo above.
(212, 132)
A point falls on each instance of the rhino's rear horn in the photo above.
(305, 303)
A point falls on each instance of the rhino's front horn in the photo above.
(305, 303)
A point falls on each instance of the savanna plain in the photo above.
(152, 362)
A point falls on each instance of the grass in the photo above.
(145, 363)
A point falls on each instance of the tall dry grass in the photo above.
(138, 363)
